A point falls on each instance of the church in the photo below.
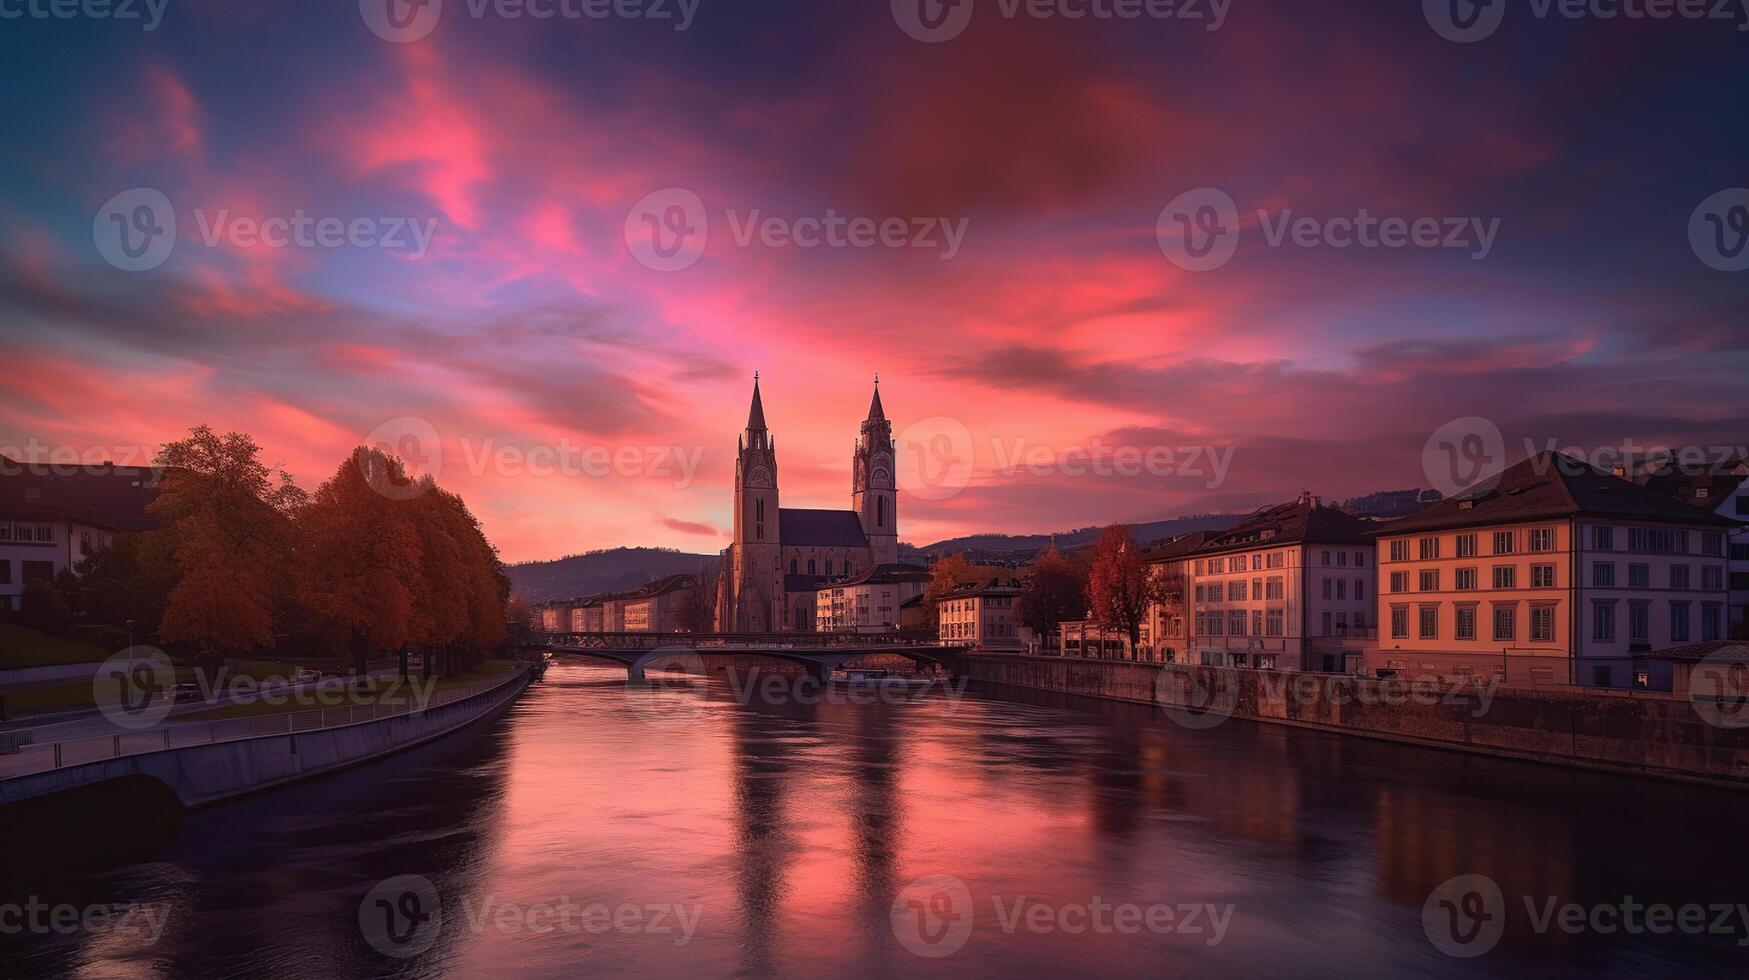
(781, 555)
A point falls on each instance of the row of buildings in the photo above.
(51, 518)
(1555, 571)
(658, 607)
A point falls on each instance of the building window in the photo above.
(1603, 575)
(759, 519)
(5, 571)
(811, 567)
(1199, 597)
(1542, 624)
(1236, 591)
(1256, 563)
(1679, 576)
(1399, 582)
(1679, 622)
(1466, 622)
(1277, 560)
(1256, 622)
(1430, 622)
(1466, 579)
(5, 531)
(1236, 622)
(1342, 559)
(1429, 548)
(1658, 539)
(1276, 620)
(1430, 580)
(1324, 621)
(1359, 589)
(880, 512)
(1603, 622)
(1342, 588)
(45, 533)
(1400, 550)
(1602, 538)
(1505, 577)
(1709, 621)
(1639, 575)
(1360, 559)
(1503, 544)
(1399, 622)
(1505, 623)
(1466, 546)
(1326, 587)
(1324, 559)
(1542, 576)
(1542, 539)
(1639, 622)
(1275, 588)
(1712, 543)
(1712, 577)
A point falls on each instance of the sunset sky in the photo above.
(1060, 323)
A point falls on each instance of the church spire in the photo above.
(756, 415)
(874, 407)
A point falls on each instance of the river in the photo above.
(688, 829)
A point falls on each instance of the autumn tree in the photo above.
(361, 574)
(224, 539)
(1119, 586)
(1056, 593)
(698, 610)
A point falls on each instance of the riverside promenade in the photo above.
(223, 759)
(1638, 732)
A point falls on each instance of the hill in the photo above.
(999, 548)
(612, 570)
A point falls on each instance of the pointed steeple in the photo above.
(874, 407)
(756, 415)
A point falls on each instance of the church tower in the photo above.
(756, 601)
(872, 493)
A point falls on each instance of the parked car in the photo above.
(186, 691)
(306, 676)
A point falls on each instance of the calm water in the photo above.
(691, 835)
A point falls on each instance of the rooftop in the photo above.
(1553, 486)
(797, 527)
(1302, 521)
(101, 495)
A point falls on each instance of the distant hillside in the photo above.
(1021, 547)
(600, 571)
(1389, 503)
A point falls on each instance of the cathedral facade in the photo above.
(782, 555)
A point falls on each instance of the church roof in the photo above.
(756, 415)
(874, 407)
(820, 528)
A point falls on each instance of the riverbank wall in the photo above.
(1645, 733)
(201, 774)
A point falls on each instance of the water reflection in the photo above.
(789, 829)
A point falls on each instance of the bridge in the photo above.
(820, 653)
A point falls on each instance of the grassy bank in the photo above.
(21, 646)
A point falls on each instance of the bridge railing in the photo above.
(44, 757)
(728, 641)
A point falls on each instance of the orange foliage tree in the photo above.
(1119, 588)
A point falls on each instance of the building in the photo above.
(1288, 588)
(1723, 489)
(982, 614)
(914, 619)
(658, 607)
(771, 572)
(869, 602)
(1555, 571)
(52, 517)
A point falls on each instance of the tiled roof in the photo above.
(889, 574)
(1552, 486)
(1300, 521)
(820, 528)
(106, 496)
(1718, 483)
(1177, 547)
(1716, 651)
(992, 587)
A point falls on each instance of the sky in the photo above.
(624, 213)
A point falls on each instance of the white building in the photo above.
(52, 517)
(869, 602)
(1723, 489)
(981, 614)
